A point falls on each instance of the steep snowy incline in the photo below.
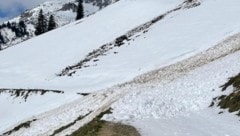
(175, 37)
(172, 103)
(64, 12)
(35, 63)
(162, 108)
(40, 59)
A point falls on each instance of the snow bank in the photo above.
(203, 123)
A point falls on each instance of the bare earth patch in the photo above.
(98, 127)
(117, 129)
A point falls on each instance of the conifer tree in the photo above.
(9, 25)
(1, 41)
(51, 23)
(41, 26)
(80, 11)
(4, 25)
(23, 28)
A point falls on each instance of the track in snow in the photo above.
(121, 40)
(98, 102)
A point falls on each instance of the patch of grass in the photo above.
(93, 127)
(230, 102)
(98, 127)
(117, 129)
(234, 81)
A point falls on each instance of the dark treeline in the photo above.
(44, 25)
(20, 30)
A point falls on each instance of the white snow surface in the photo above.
(69, 44)
(201, 123)
(180, 35)
(35, 63)
(15, 110)
(192, 92)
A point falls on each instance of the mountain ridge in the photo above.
(64, 12)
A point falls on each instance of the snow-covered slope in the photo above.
(130, 38)
(66, 46)
(64, 12)
(142, 53)
(162, 108)
(70, 44)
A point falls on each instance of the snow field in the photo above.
(179, 36)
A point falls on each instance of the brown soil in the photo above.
(117, 129)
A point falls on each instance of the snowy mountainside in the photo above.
(75, 43)
(57, 52)
(64, 12)
(182, 106)
(162, 40)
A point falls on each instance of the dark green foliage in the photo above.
(4, 25)
(98, 127)
(1, 41)
(41, 26)
(9, 25)
(230, 102)
(15, 29)
(51, 23)
(19, 29)
(1, 38)
(80, 11)
(93, 127)
(234, 81)
(22, 28)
